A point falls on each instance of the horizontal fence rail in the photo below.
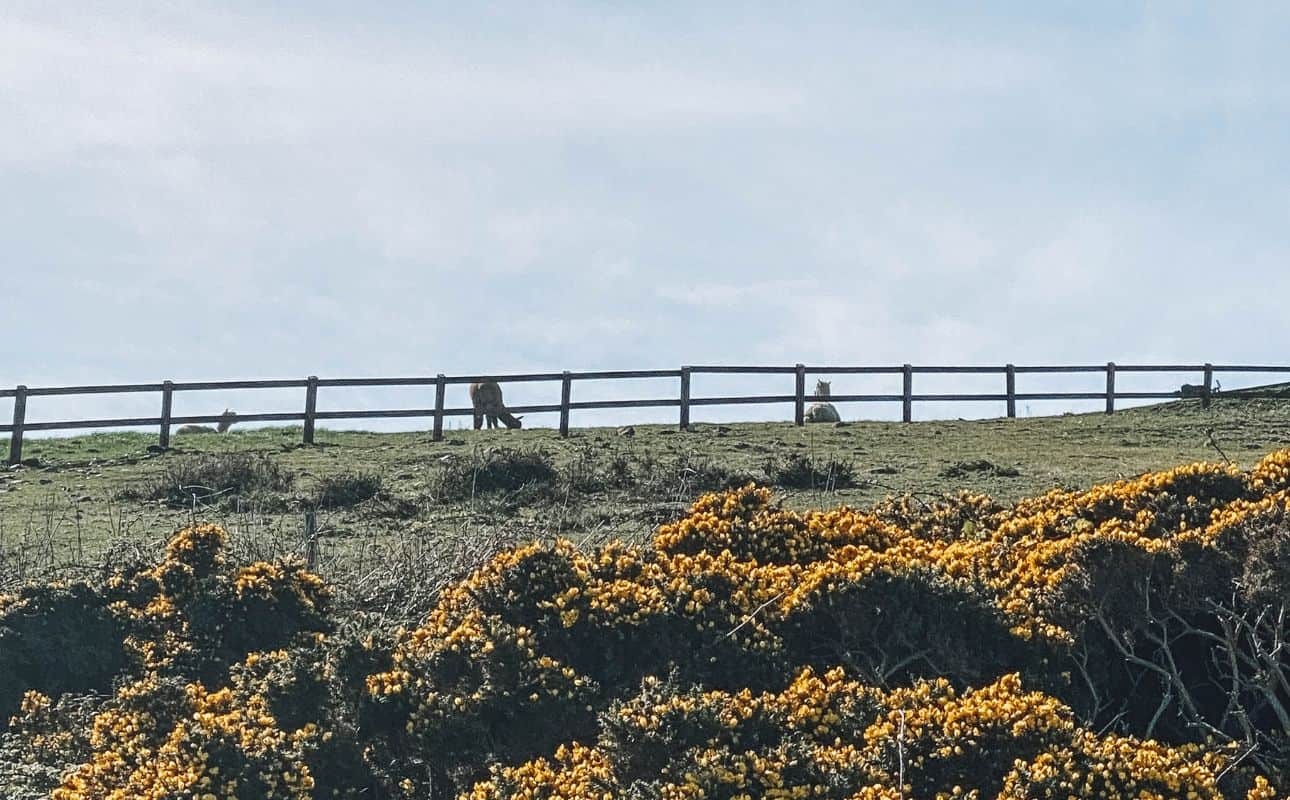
(1205, 391)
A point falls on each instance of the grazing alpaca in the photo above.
(226, 421)
(822, 412)
(486, 397)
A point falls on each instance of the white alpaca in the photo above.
(226, 421)
(822, 412)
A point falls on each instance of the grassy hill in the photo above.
(390, 501)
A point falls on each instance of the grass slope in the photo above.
(89, 496)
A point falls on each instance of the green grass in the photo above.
(88, 497)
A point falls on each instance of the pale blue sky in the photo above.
(197, 191)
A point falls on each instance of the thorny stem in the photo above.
(900, 754)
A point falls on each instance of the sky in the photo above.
(201, 191)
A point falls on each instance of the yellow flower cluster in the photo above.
(578, 773)
(217, 744)
(34, 702)
(1117, 766)
(38, 722)
(1272, 474)
(1262, 790)
(154, 601)
(267, 580)
(783, 745)
(202, 547)
(447, 681)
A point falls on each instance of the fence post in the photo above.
(440, 385)
(1012, 390)
(799, 397)
(1209, 386)
(1110, 387)
(311, 539)
(907, 411)
(566, 388)
(685, 398)
(167, 392)
(311, 406)
(19, 416)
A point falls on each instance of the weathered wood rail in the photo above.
(310, 416)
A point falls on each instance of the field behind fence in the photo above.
(309, 416)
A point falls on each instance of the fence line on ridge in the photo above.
(310, 416)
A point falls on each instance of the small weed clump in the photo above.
(347, 489)
(593, 470)
(681, 475)
(798, 471)
(980, 466)
(705, 475)
(647, 476)
(527, 472)
(217, 480)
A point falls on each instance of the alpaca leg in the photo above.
(479, 419)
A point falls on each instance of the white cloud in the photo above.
(349, 192)
(739, 296)
(82, 90)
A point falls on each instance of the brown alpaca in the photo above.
(226, 421)
(486, 397)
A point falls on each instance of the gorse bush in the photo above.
(58, 639)
(219, 480)
(966, 599)
(1118, 642)
(829, 737)
(163, 634)
(192, 614)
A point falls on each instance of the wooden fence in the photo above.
(310, 416)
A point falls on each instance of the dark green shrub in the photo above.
(220, 480)
(503, 469)
(347, 489)
(56, 639)
(798, 471)
(594, 470)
